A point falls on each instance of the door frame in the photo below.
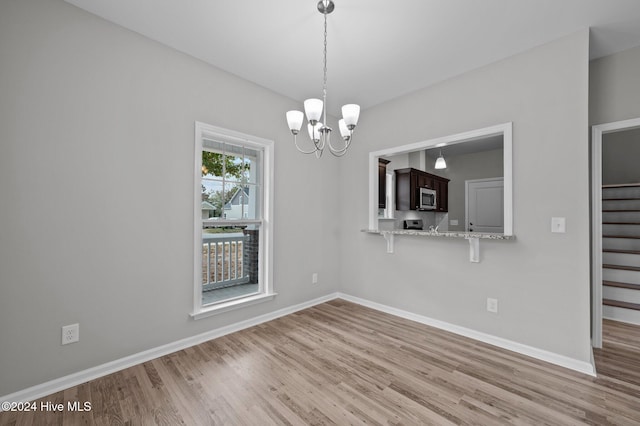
(597, 132)
(466, 198)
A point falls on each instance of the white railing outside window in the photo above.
(223, 263)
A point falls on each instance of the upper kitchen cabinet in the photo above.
(442, 194)
(408, 184)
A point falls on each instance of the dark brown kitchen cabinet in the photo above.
(382, 182)
(408, 184)
(442, 194)
(425, 181)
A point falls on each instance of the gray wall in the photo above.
(614, 87)
(614, 90)
(96, 131)
(399, 161)
(620, 154)
(541, 279)
(478, 165)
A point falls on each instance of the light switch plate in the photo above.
(492, 305)
(453, 222)
(558, 225)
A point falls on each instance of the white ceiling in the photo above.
(377, 50)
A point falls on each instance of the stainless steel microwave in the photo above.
(427, 199)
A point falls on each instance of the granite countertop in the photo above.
(482, 235)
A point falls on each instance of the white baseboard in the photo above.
(553, 358)
(84, 376)
(80, 377)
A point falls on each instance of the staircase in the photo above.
(621, 252)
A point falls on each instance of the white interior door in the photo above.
(485, 205)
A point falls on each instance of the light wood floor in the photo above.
(341, 363)
(619, 357)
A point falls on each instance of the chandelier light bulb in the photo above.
(344, 130)
(351, 113)
(294, 120)
(313, 109)
(314, 131)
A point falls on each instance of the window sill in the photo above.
(220, 308)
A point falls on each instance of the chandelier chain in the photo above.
(324, 82)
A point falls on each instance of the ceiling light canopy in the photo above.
(315, 110)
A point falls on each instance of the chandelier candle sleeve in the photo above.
(319, 133)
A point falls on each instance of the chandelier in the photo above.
(319, 132)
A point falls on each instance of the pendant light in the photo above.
(440, 163)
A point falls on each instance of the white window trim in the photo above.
(265, 262)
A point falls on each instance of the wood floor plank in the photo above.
(342, 363)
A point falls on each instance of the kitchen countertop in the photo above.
(447, 234)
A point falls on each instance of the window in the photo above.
(232, 247)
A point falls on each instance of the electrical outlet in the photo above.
(314, 278)
(70, 334)
(492, 305)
